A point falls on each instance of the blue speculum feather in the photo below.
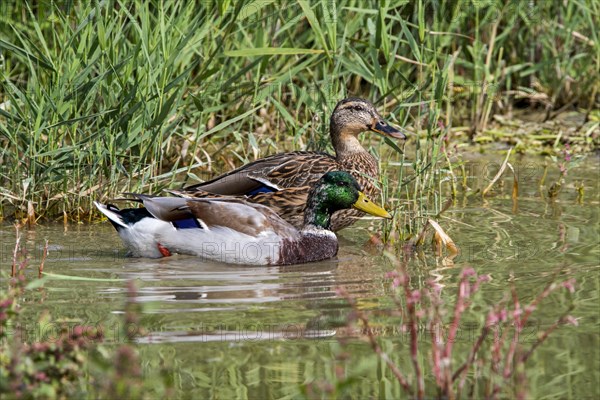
(261, 189)
(191, 223)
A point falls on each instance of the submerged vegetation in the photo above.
(105, 97)
(61, 360)
(491, 366)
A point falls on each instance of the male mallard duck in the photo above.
(262, 181)
(236, 231)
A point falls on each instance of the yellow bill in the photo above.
(365, 204)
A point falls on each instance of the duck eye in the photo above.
(356, 108)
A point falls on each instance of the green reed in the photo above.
(104, 97)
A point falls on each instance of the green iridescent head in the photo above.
(335, 191)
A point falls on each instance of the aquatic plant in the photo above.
(52, 368)
(566, 160)
(491, 367)
(72, 362)
(100, 98)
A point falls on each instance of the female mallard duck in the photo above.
(262, 181)
(236, 231)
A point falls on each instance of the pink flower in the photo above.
(415, 296)
(436, 287)
(567, 152)
(6, 303)
(572, 320)
(77, 331)
(502, 315)
(569, 285)
(391, 274)
(562, 168)
(40, 376)
(466, 272)
(492, 319)
(517, 312)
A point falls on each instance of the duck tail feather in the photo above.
(112, 213)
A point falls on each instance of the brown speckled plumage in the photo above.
(292, 174)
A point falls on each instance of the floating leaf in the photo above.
(442, 238)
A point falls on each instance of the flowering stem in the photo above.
(411, 301)
(518, 324)
(542, 338)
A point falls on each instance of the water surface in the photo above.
(264, 332)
